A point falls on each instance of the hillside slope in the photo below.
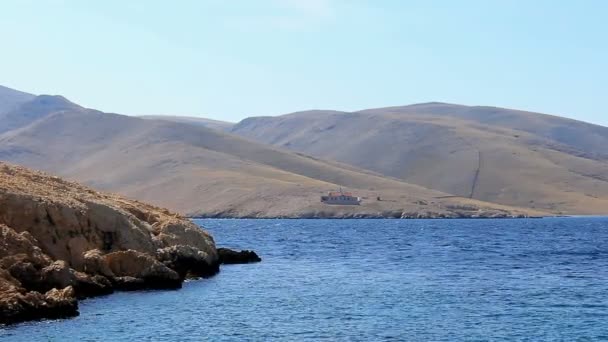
(215, 124)
(581, 136)
(495, 155)
(35, 109)
(197, 170)
(10, 98)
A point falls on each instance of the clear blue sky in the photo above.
(232, 59)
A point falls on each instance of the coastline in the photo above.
(375, 217)
(61, 242)
(65, 303)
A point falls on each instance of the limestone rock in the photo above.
(188, 261)
(57, 275)
(95, 263)
(179, 233)
(228, 256)
(17, 304)
(91, 285)
(60, 241)
(153, 273)
(61, 303)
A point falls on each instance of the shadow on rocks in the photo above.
(228, 256)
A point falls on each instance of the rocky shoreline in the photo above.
(61, 242)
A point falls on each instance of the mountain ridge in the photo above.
(211, 123)
(201, 171)
(408, 155)
(11, 98)
(446, 149)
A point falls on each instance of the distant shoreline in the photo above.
(219, 217)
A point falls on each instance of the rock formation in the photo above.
(61, 241)
(228, 256)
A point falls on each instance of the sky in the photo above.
(229, 60)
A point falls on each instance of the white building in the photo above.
(340, 198)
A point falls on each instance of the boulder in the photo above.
(228, 256)
(18, 304)
(91, 285)
(57, 275)
(188, 261)
(95, 263)
(151, 272)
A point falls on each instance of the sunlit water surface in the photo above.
(439, 280)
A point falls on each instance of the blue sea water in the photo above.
(372, 280)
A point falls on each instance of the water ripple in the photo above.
(372, 280)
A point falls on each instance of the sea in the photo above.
(372, 280)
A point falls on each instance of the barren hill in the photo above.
(579, 136)
(197, 170)
(215, 124)
(491, 154)
(10, 98)
(37, 108)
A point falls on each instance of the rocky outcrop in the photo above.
(27, 277)
(187, 261)
(18, 304)
(228, 256)
(61, 241)
(146, 269)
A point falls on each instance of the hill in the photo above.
(492, 154)
(201, 171)
(10, 98)
(215, 124)
(581, 136)
(37, 108)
